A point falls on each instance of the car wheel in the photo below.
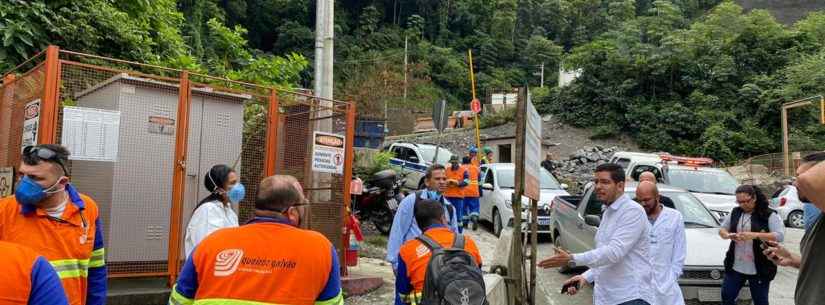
(497, 226)
(796, 219)
(557, 244)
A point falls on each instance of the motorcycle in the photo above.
(380, 199)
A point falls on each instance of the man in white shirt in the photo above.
(667, 244)
(620, 265)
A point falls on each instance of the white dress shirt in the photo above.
(620, 265)
(668, 250)
(208, 218)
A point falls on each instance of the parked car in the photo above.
(413, 160)
(575, 220)
(498, 186)
(715, 187)
(789, 206)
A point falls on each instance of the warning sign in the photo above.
(328, 153)
(31, 120)
(6, 181)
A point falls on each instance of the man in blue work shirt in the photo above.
(404, 226)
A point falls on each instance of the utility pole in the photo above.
(541, 67)
(329, 19)
(405, 69)
(320, 6)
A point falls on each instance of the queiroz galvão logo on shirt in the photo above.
(227, 261)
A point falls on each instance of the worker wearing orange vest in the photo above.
(473, 154)
(414, 256)
(28, 278)
(47, 215)
(457, 180)
(270, 260)
(471, 194)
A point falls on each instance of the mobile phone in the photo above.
(568, 285)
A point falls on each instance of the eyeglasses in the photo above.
(43, 153)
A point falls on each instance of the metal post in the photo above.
(272, 120)
(473, 86)
(47, 132)
(349, 157)
(531, 288)
(320, 6)
(785, 142)
(6, 113)
(542, 74)
(785, 146)
(405, 75)
(179, 177)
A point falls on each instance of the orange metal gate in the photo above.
(146, 168)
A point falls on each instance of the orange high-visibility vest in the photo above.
(67, 243)
(472, 190)
(416, 255)
(455, 191)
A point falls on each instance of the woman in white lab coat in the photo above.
(215, 211)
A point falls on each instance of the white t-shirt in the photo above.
(208, 218)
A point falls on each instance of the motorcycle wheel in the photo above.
(382, 219)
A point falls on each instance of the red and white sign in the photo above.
(328, 153)
(475, 106)
(31, 120)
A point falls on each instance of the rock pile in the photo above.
(577, 169)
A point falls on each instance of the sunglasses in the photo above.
(42, 153)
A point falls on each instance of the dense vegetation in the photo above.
(688, 76)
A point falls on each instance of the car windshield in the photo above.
(693, 212)
(428, 152)
(506, 179)
(711, 182)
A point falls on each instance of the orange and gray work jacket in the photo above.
(473, 189)
(414, 258)
(72, 243)
(264, 262)
(28, 278)
(458, 175)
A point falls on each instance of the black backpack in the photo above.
(453, 276)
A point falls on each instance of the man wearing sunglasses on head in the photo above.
(49, 216)
(269, 260)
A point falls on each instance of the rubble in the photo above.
(577, 169)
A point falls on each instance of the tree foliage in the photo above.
(712, 87)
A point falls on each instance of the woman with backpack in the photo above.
(748, 227)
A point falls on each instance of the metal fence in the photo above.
(143, 137)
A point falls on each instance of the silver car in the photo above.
(789, 207)
(496, 205)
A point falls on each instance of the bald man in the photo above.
(269, 260)
(667, 244)
(651, 177)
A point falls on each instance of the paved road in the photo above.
(550, 280)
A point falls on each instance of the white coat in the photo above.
(208, 218)
(668, 250)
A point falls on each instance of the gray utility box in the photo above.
(135, 192)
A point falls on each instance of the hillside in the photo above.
(785, 11)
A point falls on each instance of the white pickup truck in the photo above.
(575, 220)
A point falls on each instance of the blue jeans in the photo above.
(458, 204)
(635, 302)
(733, 284)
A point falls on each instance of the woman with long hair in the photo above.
(748, 227)
(215, 211)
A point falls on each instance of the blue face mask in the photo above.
(236, 193)
(31, 193)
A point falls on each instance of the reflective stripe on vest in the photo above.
(178, 299)
(472, 188)
(98, 258)
(412, 299)
(334, 301)
(71, 268)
